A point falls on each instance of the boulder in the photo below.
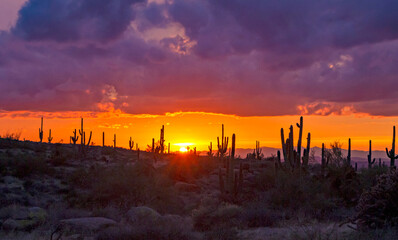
(146, 214)
(88, 223)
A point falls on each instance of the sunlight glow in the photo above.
(183, 149)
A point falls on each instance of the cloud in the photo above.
(245, 58)
(71, 20)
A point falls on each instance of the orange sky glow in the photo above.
(197, 129)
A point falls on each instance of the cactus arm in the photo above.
(89, 139)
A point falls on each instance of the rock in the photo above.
(186, 187)
(88, 223)
(37, 213)
(137, 214)
(13, 183)
(20, 225)
(10, 225)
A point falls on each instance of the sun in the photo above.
(183, 149)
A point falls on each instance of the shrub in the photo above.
(186, 167)
(123, 187)
(161, 230)
(24, 165)
(304, 193)
(210, 218)
(378, 208)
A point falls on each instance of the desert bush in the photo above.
(344, 184)
(123, 187)
(12, 135)
(24, 165)
(368, 176)
(186, 167)
(256, 214)
(265, 180)
(378, 208)
(207, 218)
(162, 229)
(301, 193)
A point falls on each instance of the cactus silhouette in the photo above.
(131, 144)
(391, 153)
(74, 138)
(49, 137)
(210, 152)
(370, 162)
(41, 131)
(222, 149)
(258, 150)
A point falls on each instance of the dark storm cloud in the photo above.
(69, 20)
(245, 57)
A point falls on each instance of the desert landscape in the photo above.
(81, 191)
(198, 119)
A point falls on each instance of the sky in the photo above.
(130, 66)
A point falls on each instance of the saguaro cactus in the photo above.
(161, 142)
(168, 149)
(306, 154)
(74, 138)
(298, 157)
(49, 137)
(258, 150)
(370, 162)
(41, 131)
(103, 139)
(153, 145)
(114, 140)
(131, 144)
(233, 180)
(210, 152)
(81, 132)
(292, 157)
(349, 153)
(391, 153)
(222, 149)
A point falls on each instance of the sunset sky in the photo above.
(130, 66)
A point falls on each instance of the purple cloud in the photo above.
(236, 57)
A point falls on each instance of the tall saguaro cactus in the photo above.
(131, 144)
(114, 140)
(153, 145)
(161, 142)
(258, 150)
(41, 131)
(233, 181)
(292, 157)
(168, 149)
(210, 152)
(74, 138)
(83, 144)
(370, 162)
(81, 132)
(222, 149)
(349, 153)
(306, 153)
(391, 153)
(103, 139)
(49, 137)
(300, 126)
